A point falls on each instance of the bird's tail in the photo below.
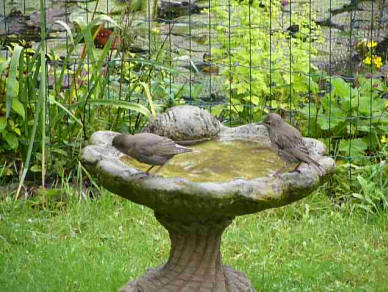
(317, 166)
(182, 149)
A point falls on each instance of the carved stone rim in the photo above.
(176, 196)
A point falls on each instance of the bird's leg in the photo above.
(158, 169)
(297, 167)
(148, 170)
(280, 171)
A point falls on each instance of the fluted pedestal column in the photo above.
(195, 261)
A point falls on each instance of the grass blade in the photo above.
(89, 42)
(101, 19)
(68, 30)
(122, 104)
(149, 97)
(53, 101)
(29, 151)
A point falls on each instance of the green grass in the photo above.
(98, 245)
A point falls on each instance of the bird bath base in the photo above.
(195, 261)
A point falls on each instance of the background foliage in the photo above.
(259, 58)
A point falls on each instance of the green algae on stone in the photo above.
(219, 160)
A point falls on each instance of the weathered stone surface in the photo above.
(194, 265)
(52, 15)
(196, 213)
(181, 197)
(185, 125)
(195, 253)
(173, 9)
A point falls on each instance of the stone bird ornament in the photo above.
(288, 143)
(148, 148)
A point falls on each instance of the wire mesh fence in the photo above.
(321, 64)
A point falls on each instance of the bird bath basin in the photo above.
(197, 195)
(218, 160)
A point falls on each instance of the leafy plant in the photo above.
(354, 116)
(12, 111)
(362, 188)
(370, 197)
(44, 130)
(264, 63)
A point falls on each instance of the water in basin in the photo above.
(218, 161)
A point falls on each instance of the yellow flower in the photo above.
(371, 44)
(384, 139)
(377, 61)
(367, 61)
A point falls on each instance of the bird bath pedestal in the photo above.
(197, 213)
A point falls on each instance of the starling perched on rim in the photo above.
(148, 148)
(287, 141)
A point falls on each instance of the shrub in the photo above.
(256, 58)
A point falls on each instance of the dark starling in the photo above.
(148, 148)
(287, 141)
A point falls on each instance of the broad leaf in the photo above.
(12, 140)
(12, 85)
(353, 147)
(18, 107)
(341, 88)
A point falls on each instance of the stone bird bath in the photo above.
(196, 212)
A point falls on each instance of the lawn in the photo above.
(99, 244)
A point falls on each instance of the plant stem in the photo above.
(42, 88)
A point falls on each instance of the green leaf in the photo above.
(118, 103)
(36, 168)
(101, 19)
(53, 101)
(18, 107)
(356, 146)
(358, 196)
(68, 30)
(17, 131)
(12, 85)
(3, 124)
(329, 122)
(59, 151)
(29, 151)
(149, 97)
(12, 140)
(217, 110)
(341, 88)
(334, 115)
(89, 43)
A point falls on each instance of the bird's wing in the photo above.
(164, 147)
(298, 154)
(292, 140)
(292, 145)
(302, 156)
